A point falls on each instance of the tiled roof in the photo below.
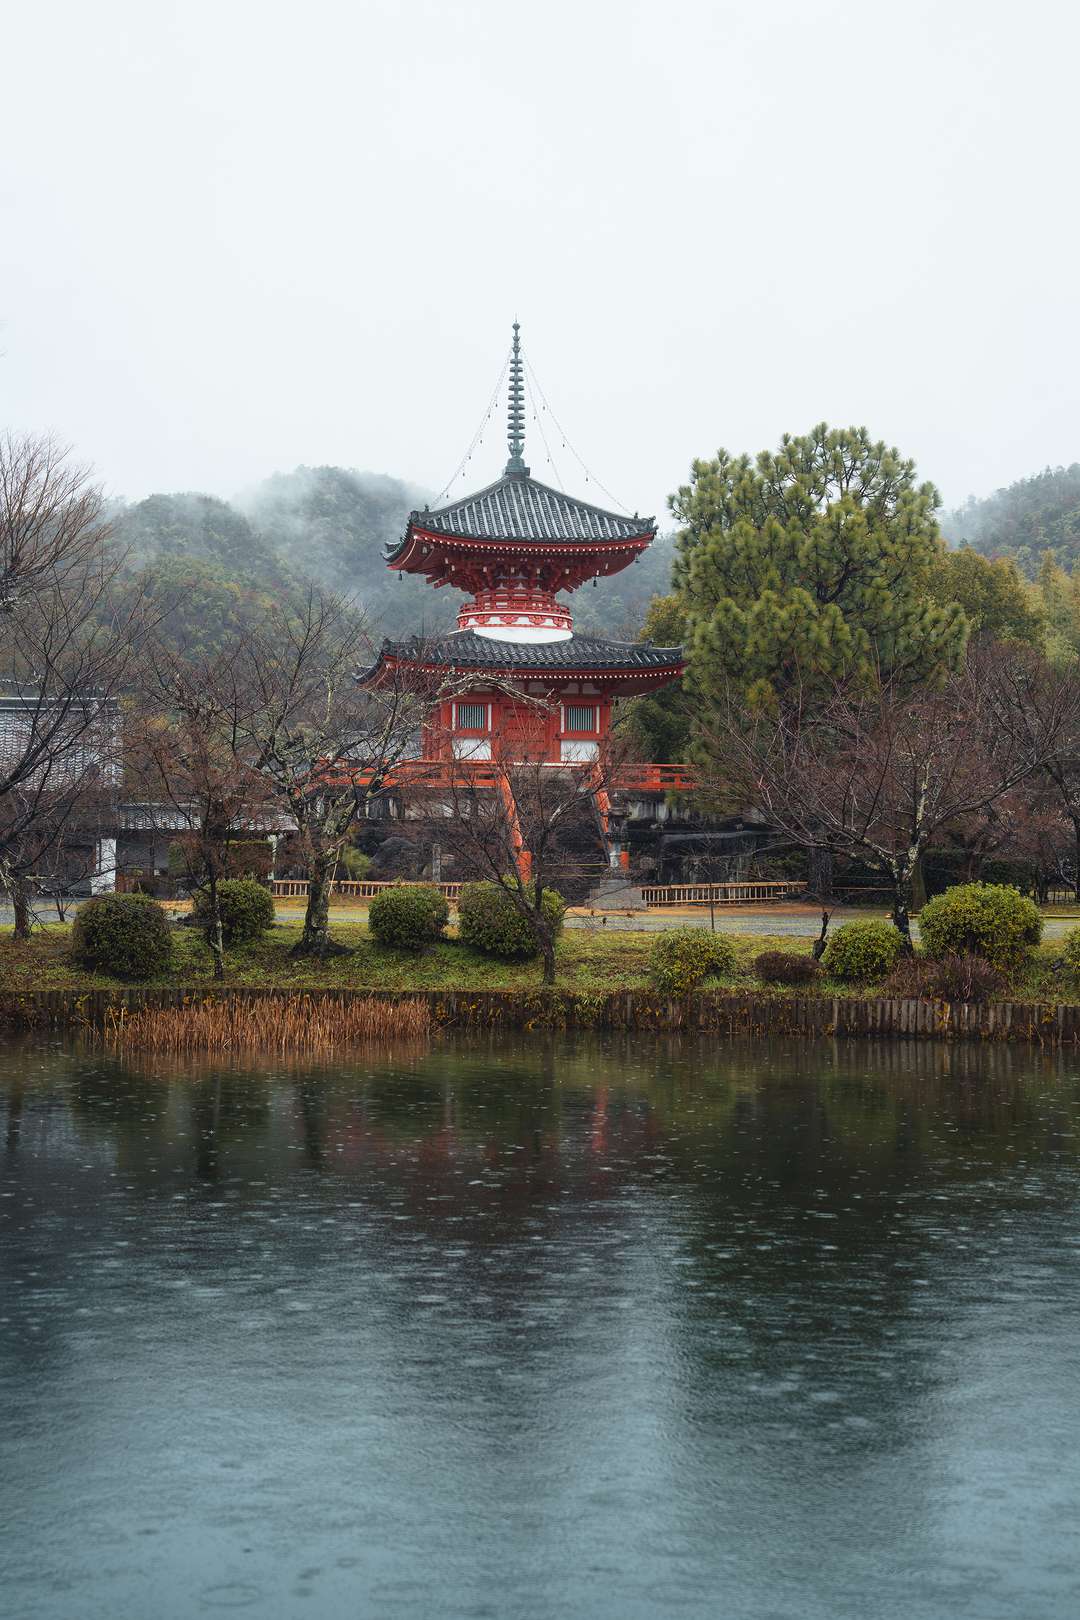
(466, 648)
(518, 508)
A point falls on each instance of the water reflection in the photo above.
(550, 1327)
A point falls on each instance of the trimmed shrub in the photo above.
(955, 977)
(860, 952)
(786, 967)
(408, 916)
(247, 910)
(489, 920)
(981, 919)
(1070, 953)
(126, 935)
(682, 958)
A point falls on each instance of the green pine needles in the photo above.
(811, 565)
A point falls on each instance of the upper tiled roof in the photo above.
(467, 649)
(519, 508)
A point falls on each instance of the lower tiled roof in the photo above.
(466, 648)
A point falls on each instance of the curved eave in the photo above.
(631, 677)
(416, 553)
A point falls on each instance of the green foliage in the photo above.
(490, 921)
(408, 916)
(983, 919)
(245, 906)
(861, 952)
(1070, 951)
(659, 722)
(353, 864)
(1058, 595)
(125, 935)
(997, 603)
(786, 967)
(1031, 519)
(813, 562)
(683, 958)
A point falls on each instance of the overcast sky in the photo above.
(241, 235)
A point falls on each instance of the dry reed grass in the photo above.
(279, 1025)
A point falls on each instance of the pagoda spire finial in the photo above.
(515, 423)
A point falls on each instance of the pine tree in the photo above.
(811, 564)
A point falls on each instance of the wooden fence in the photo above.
(678, 894)
(749, 892)
(347, 888)
(750, 1015)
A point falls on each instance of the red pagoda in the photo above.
(539, 692)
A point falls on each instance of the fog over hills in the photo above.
(219, 560)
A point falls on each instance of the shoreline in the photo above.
(730, 1014)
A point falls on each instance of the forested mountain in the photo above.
(1026, 520)
(217, 563)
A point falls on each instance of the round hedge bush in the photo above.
(1070, 952)
(489, 921)
(981, 919)
(786, 967)
(408, 916)
(681, 958)
(246, 907)
(126, 935)
(860, 952)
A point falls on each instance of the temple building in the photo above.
(516, 551)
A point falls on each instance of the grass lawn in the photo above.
(587, 960)
(590, 961)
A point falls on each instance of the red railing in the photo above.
(444, 773)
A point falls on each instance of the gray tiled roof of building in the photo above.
(465, 647)
(519, 508)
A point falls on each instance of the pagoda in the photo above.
(533, 689)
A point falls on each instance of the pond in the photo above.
(542, 1327)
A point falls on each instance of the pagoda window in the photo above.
(578, 751)
(580, 718)
(472, 717)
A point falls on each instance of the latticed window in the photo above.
(472, 716)
(579, 717)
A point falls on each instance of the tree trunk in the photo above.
(317, 915)
(543, 934)
(901, 914)
(215, 937)
(315, 939)
(820, 873)
(20, 900)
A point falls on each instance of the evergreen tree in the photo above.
(659, 722)
(811, 563)
(998, 604)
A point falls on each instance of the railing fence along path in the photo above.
(677, 894)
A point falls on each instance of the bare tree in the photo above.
(877, 774)
(67, 648)
(1062, 774)
(187, 759)
(322, 746)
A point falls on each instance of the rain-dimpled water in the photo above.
(542, 1327)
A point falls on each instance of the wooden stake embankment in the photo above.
(746, 1014)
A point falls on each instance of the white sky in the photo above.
(241, 235)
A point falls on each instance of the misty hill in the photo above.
(1029, 518)
(218, 563)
